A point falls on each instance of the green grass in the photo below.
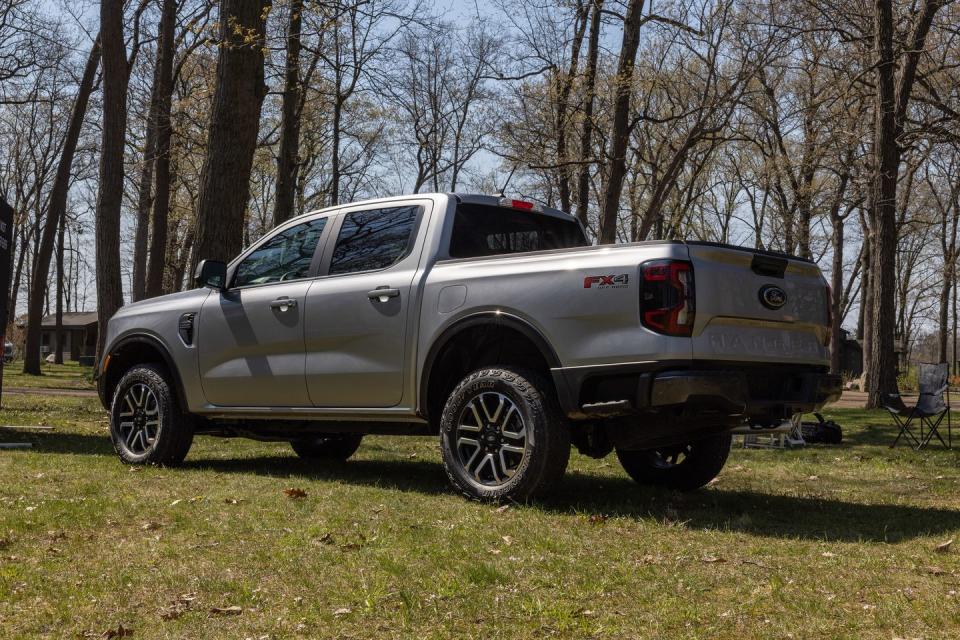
(832, 542)
(69, 375)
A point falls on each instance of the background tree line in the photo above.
(137, 137)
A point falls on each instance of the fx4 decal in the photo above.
(606, 282)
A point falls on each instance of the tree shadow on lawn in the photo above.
(757, 513)
(754, 512)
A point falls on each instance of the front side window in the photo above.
(285, 256)
(375, 239)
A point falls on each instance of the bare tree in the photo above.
(234, 123)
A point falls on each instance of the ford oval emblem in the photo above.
(772, 296)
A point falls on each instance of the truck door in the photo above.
(357, 312)
(250, 337)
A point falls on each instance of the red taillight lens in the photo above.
(522, 205)
(667, 297)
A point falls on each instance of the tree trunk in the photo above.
(57, 210)
(58, 354)
(586, 135)
(944, 309)
(563, 103)
(335, 152)
(161, 202)
(234, 123)
(283, 205)
(836, 288)
(620, 131)
(110, 195)
(138, 288)
(886, 162)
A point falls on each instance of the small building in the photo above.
(79, 334)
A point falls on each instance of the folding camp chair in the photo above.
(931, 408)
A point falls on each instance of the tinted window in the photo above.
(285, 256)
(373, 239)
(487, 231)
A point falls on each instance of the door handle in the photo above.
(282, 304)
(383, 293)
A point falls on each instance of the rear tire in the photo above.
(503, 436)
(337, 446)
(147, 424)
(682, 467)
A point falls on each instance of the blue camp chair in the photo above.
(931, 408)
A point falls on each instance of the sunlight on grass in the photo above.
(825, 541)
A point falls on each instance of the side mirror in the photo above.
(211, 273)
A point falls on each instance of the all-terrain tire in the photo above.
(147, 423)
(693, 464)
(529, 419)
(337, 446)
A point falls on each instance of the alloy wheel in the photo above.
(139, 419)
(491, 438)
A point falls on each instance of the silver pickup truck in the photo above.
(488, 321)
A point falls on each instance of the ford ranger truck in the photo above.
(489, 322)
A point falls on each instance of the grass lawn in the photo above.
(835, 542)
(69, 375)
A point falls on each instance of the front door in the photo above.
(356, 327)
(250, 337)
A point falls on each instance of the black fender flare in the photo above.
(497, 318)
(161, 348)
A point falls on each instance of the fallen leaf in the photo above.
(119, 632)
(828, 554)
(507, 540)
(503, 508)
(598, 518)
(233, 610)
(936, 571)
(230, 501)
(713, 559)
(150, 526)
(295, 492)
(944, 547)
(176, 502)
(326, 538)
(342, 611)
(813, 478)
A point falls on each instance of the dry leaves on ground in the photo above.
(295, 492)
(233, 610)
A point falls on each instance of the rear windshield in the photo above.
(480, 230)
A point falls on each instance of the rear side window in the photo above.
(374, 239)
(488, 231)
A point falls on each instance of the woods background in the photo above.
(138, 137)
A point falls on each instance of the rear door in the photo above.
(753, 306)
(250, 337)
(358, 310)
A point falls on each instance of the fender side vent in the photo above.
(185, 328)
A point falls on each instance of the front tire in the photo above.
(147, 424)
(503, 436)
(683, 467)
(337, 447)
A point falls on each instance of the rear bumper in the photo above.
(731, 391)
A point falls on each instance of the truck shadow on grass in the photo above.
(602, 497)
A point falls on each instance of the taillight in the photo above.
(667, 297)
(522, 205)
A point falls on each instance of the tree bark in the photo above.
(283, 205)
(234, 123)
(58, 354)
(57, 210)
(110, 196)
(161, 201)
(586, 135)
(620, 131)
(563, 104)
(145, 197)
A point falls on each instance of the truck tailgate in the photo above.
(756, 306)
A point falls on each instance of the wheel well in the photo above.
(132, 353)
(480, 345)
